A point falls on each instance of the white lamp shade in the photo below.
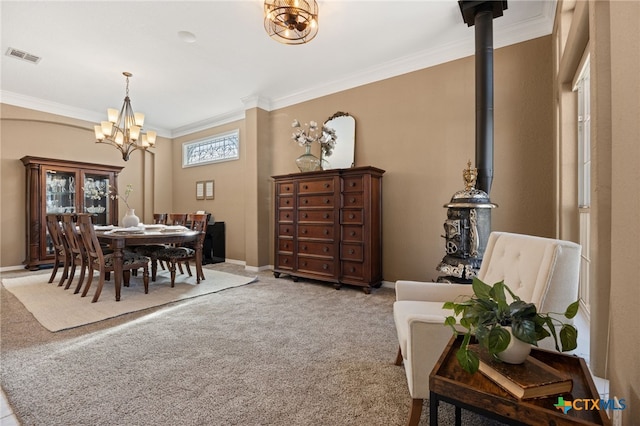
(139, 118)
(145, 142)
(151, 137)
(98, 131)
(134, 133)
(119, 138)
(107, 128)
(112, 114)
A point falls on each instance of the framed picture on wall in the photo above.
(208, 190)
(200, 190)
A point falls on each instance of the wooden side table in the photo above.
(448, 382)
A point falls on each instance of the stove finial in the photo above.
(470, 175)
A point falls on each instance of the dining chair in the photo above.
(61, 251)
(177, 219)
(150, 250)
(102, 263)
(160, 218)
(175, 256)
(77, 253)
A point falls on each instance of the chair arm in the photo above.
(427, 338)
(431, 292)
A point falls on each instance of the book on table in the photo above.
(531, 379)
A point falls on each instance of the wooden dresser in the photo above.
(329, 226)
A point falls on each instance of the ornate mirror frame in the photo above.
(343, 155)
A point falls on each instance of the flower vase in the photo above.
(308, 162)
(130, 219)
(516, 352)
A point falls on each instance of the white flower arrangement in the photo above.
(325, 136)
(97, 191)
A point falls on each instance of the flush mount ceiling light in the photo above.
(291, 21)
(124, 130)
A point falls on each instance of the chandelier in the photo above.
(124, 130)
(291, 21)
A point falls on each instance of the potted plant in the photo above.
(493, 320)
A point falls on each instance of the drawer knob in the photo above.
(286, 230)
(286, 202)
(304, 231)
(285, 261)
(305, 186)
(286, 245)
(327, 201)
(286, 215)
(304, 248)
(306, 201)
(325, 266)
(352, 269)
(325, 249)
(353, 233)
(326, 216)
(351, 251)
(286, 188)
(352, 184)
(352, 216)
(353, 200)
(304, 263)
(326, 232)
(304, 215)
(326, 185)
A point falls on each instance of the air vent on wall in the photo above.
(15, 53)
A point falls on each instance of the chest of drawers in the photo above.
(329, 226)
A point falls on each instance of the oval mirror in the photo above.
(343, 153)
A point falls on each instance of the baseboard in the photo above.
(11, 268)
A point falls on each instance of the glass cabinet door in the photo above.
(97, 197)
(60, 197)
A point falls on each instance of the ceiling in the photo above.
(233, 65)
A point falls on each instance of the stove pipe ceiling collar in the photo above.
(481, 14)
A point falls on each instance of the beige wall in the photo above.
(27, 132)
(607, 30)
(419, 127)
(228, 205)
(625, 197)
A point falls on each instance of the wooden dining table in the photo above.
(119, 239)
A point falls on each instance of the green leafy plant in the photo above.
(487, 313)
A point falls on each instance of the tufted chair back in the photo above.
(540, 270)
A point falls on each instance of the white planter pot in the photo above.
(516, 352)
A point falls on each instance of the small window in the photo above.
(214, 149)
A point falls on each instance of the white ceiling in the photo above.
(181, 87)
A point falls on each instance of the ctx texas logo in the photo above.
(589, 404)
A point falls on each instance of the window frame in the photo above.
(213, 139)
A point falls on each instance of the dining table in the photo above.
(119, 238)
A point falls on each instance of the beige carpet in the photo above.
(58, 309)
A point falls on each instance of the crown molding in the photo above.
(43, 105)
(208, 123)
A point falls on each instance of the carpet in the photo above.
(58, 309)
(276, 352)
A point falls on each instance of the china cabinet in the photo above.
(328, 226)
(59, 186)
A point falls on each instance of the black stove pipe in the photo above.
(481, 14)
(484, 99)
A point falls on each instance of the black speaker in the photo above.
(213, 248)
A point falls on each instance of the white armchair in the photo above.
(540, 270)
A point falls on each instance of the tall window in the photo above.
(582, 87)
(214, 149)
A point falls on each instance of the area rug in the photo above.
(58, 309)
